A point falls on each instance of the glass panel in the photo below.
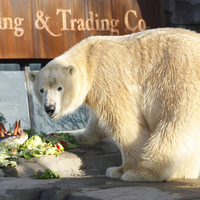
(14, 105)
(9, 67)
(74, 121)
(13, 99)
(35, 66)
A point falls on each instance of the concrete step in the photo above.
(95, 188)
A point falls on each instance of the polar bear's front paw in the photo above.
(114, 172)
(119, 172)
(130, 176)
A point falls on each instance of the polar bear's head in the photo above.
(54, 87)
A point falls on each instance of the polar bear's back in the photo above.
(168, 71)
(147, 48)
(159, 67)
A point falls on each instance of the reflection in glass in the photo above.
(9, 67)
(74, 121)
(14, 106)
(13, 99)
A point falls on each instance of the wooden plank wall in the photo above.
(41, 29)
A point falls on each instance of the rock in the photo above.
(57, 193)
(182, 12)
(169, 5)
(127, 193)
(95, 188)
(1, 173)
(25, 194)
(67, 164)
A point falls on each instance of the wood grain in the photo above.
(44, 29)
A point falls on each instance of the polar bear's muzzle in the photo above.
(50, 110)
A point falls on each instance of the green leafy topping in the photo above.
(38, 144)
(49, 174)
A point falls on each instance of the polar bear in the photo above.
(142, 90)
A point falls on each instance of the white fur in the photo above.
(143, 91)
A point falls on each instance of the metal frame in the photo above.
(25, 62)
(30, 99)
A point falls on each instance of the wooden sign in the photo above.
(47, 28)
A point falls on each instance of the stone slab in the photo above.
(97, 188)
(126, 193)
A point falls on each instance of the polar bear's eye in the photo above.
(41, 90)
(60, 88)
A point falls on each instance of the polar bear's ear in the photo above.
(71, 70)
(32, 76)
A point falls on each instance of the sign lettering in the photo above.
(91, 24)
(12, 24)
(47, 28)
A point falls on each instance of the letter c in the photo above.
(127, 22)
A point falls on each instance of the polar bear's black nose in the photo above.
(50, 109)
